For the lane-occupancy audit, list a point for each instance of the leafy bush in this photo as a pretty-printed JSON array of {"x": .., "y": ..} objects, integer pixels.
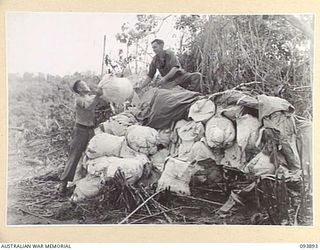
[
  {"x": 274, "y": 51},
  {"x": 41, "y": 114}
]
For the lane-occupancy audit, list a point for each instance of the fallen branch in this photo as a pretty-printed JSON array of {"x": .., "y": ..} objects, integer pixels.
[
  {"x": 158, "y": 205},
  {"x": 160, "y": 213},
  {"x": 245, "y": 84},
  {"x": 150, "y": 216},
  {"x": 234, "y": 88},
  {"x": 84, "y": 209},
  {"x": 210, "y": 190},
  {"x": 141, "y": 205},
  {"x": 38, "y": 202},
  {"x": 146, "y": 205}
]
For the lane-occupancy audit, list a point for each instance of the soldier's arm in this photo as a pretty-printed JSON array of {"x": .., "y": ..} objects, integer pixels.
[{"x": 88, "y": 102}]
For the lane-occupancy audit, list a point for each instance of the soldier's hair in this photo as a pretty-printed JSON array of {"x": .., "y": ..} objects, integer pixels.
[
  {"x": 158, "y": 41},
  {"x": 75, "y": 86}
]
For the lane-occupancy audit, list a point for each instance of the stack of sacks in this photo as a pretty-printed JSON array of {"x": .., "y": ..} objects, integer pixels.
[
  {"x": 247, "y": 132},
  {"x": 174, "y": 137},
  {"x": 200, "y": 152},
  {"x": 192, "y": 150},
  {"x": 220, "y": 132},
  {"x": 202, "y": 110},
  {"x": 208, "y": 160},
  {"x": 132, "y": 168},
  {"x": 231, "y": 112},
  {"x": 216, "y": 135},
  {"x": 143, "y": 139},
  {"x": 177, "y": 175},
  {"x": 95, "y": 166},
  {"x": 105, "y": 168},
  {"x": 164, "y": 137},
  {"x": 127, "y": 152},
  {"x": 233, "y": 157},
  {"x": 118, "y": 124},
  {"x": 164, "y": 142},
  {"x": 247, "y": 128},
  {"x": 88, "y": 187},
  {"x": 108, "y": 153},
  {"x": 247, "y": 135},
  {"x": 189, "y": 133},
  {"x": 188, "y": 137},
  {"x": 104, "y": 144},
  {"x": 260, "y": 165},
  {"x": 158, "y": 159}
]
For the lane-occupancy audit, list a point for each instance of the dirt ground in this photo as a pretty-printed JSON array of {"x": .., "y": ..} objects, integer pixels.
[{"x": 33, "y": 199}]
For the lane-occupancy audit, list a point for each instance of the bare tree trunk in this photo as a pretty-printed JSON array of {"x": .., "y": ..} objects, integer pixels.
[{"x": 103, "y": 55}]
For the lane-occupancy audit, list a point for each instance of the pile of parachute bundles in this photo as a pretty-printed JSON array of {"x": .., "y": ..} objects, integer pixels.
[{"x": 174, "y": 132}]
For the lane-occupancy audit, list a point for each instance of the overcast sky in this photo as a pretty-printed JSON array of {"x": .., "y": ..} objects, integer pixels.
[{"x": 63, "y": 43}]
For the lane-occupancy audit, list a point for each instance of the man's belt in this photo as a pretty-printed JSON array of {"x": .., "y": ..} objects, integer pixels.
[{"x": 84, "y": 126}]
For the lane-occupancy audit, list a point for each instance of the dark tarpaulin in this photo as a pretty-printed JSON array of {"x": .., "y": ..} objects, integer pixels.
[
  {"x": 165, "y": 106},
  {"x": 234, "y": 97}
]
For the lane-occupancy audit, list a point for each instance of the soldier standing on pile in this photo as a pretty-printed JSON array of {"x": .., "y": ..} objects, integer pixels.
[
  {"x": 170, "y": 70},
  {"x": 83, "y": 130}
]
